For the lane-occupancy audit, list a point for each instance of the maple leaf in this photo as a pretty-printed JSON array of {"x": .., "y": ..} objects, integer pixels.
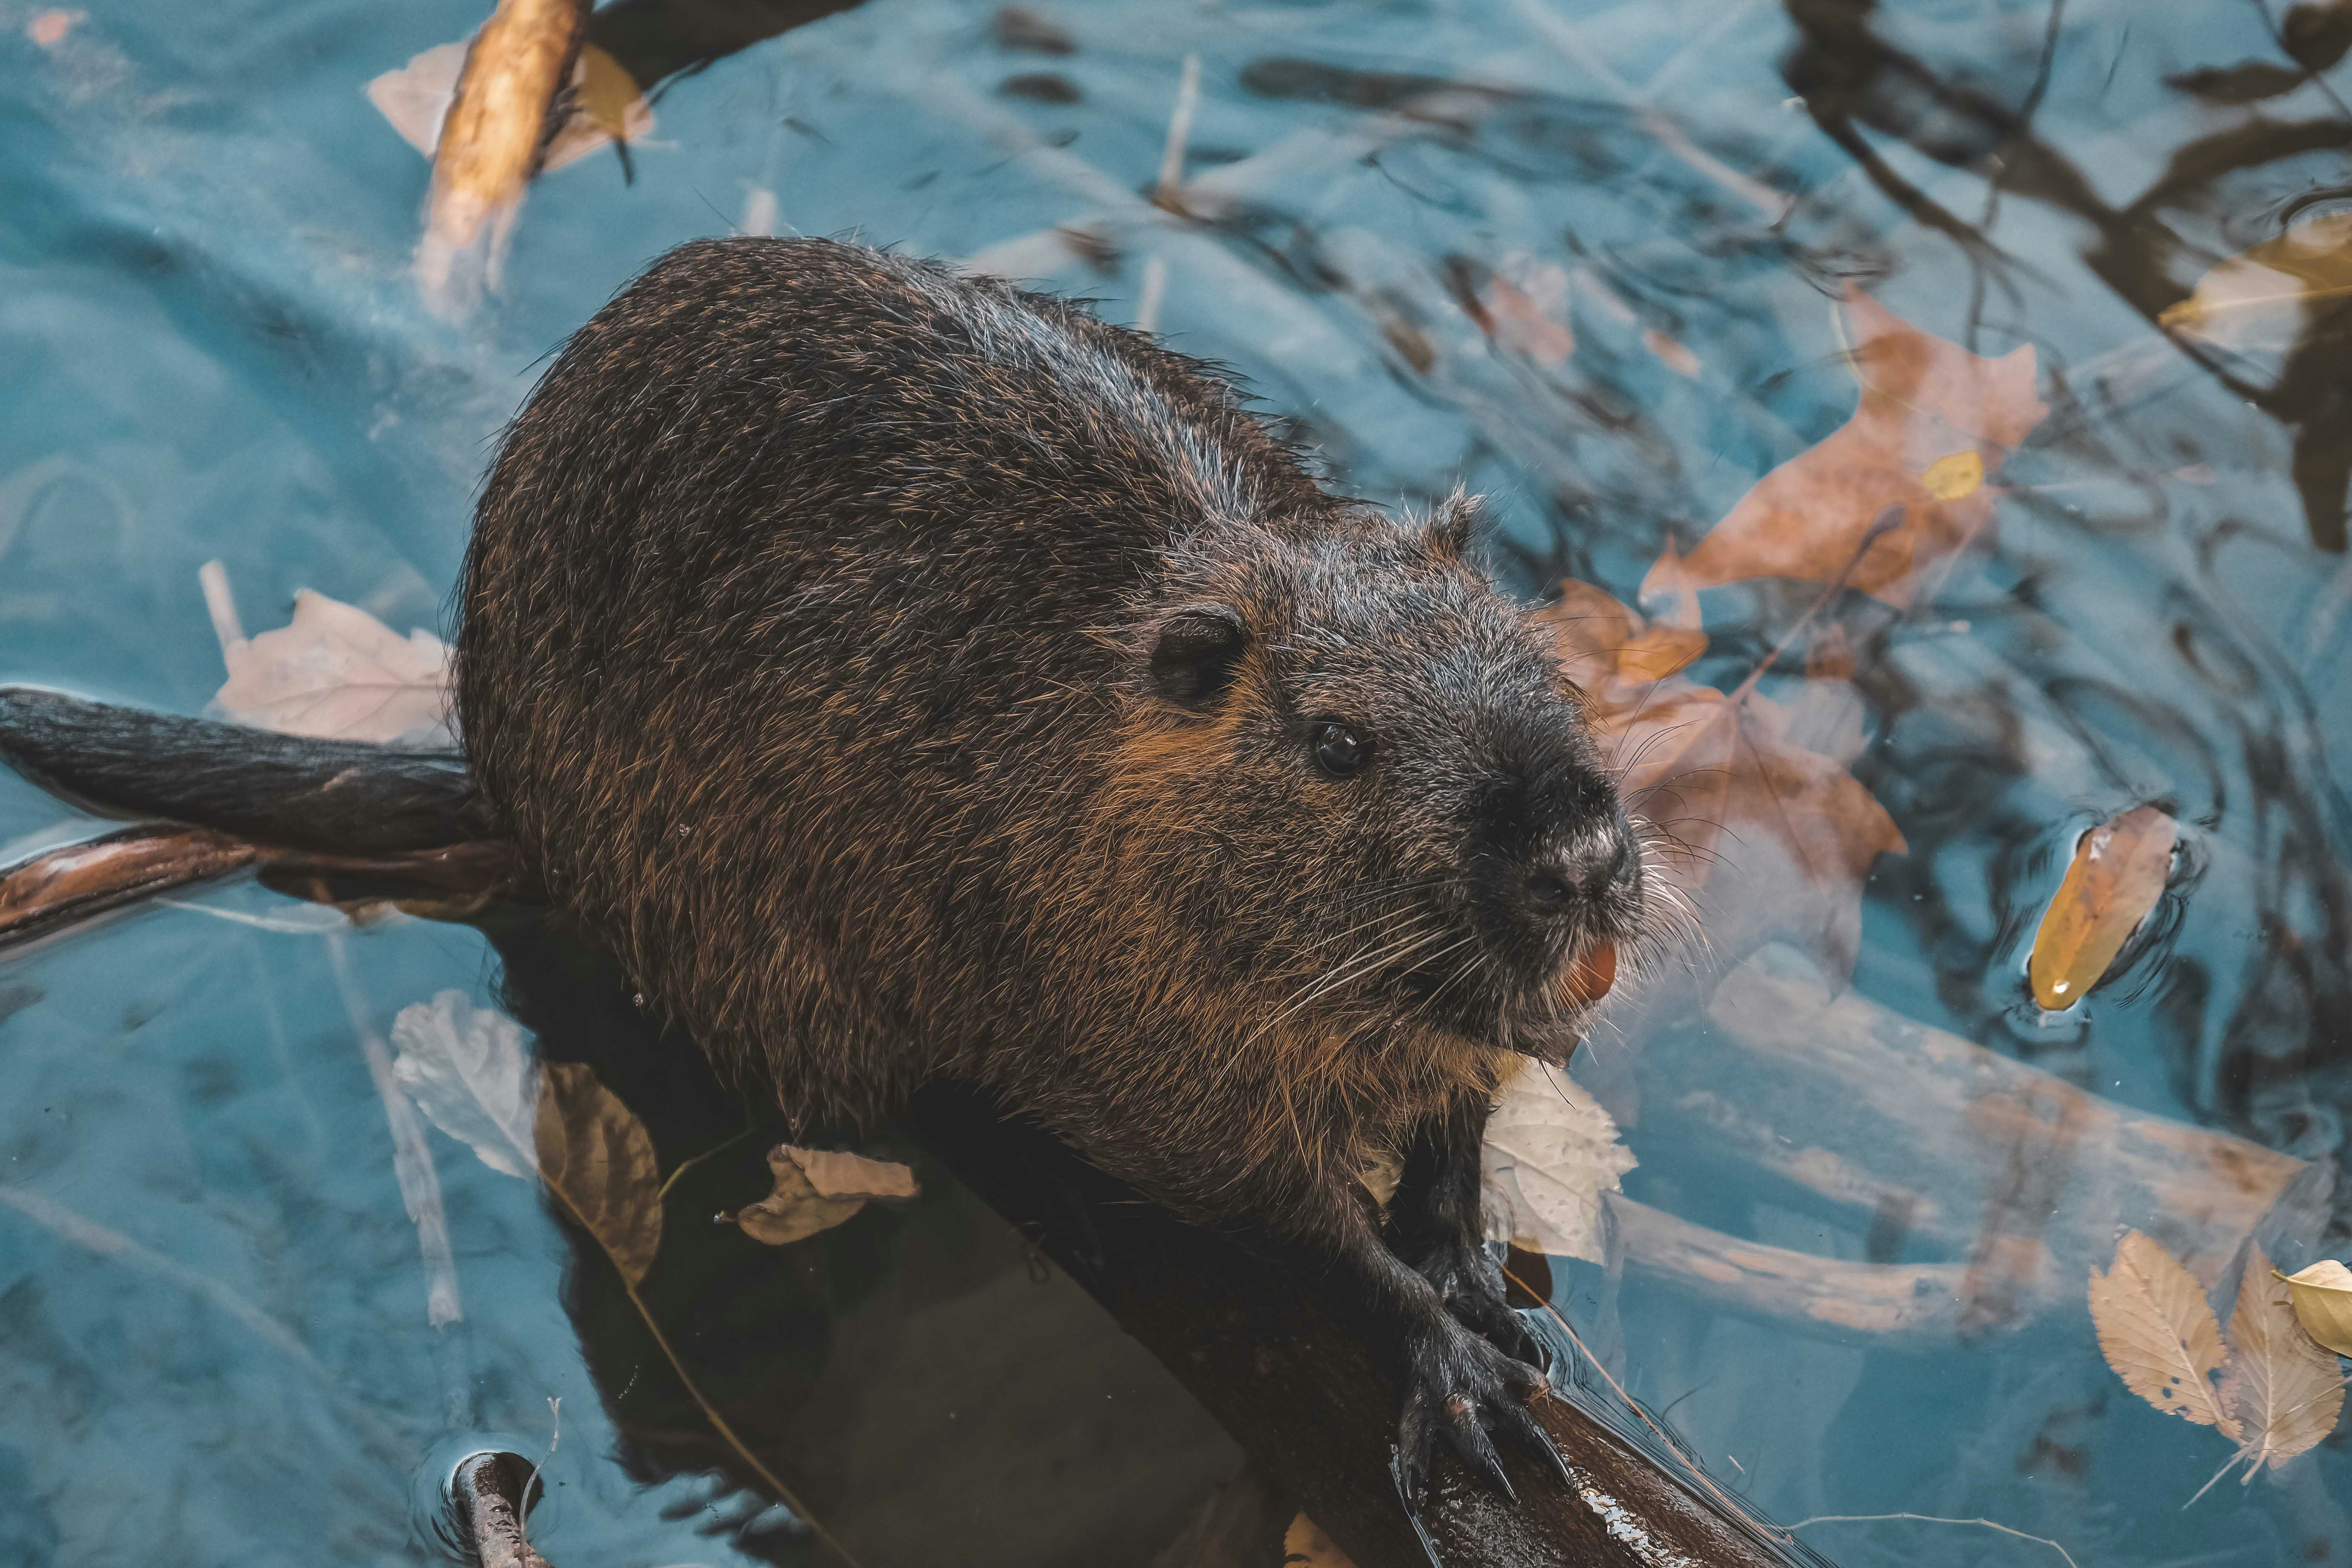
[
  {"x": 1933, "y": 420},
  {"x": 1763, "y": 834}
]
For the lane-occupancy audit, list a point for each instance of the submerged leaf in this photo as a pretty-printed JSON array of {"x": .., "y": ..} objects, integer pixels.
[
  {"x": 336, "y": 673},
  {"x": 817, "y": 1189},
  {"x": 1762, "y": 833},
  {"x": 2282, "y": 1389},
  {"x": 1551, "y": 1150},
  {"x": 598, "y": 1159},
  {"x": 1932, "y": 419},
  {"x": 2117, "y": 875},
  {"x": 2323, "y": 1303},
  {"x": 466, "y": 1068},
  {"x": 2157, "y": 1331}
]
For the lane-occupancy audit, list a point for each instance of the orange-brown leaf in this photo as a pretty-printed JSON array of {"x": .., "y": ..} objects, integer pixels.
[
  {"x": 2117, "y": 875},
  {"x": 1933, "y": 420}
]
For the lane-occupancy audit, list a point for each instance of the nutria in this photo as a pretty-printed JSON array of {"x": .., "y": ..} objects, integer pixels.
[{"x": 908, "y": 676}]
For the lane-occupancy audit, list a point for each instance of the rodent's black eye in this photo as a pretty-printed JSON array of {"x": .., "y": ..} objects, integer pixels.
[{"x": 1341, "y": 751}]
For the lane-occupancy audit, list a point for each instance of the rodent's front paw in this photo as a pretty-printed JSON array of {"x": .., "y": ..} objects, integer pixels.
[
  {"x": 1471, "y": 1285},
  {"x": 1458, "y": 1386}
]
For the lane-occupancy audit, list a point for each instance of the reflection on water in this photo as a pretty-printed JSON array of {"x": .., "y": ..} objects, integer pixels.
[{"x": 1580, "y": 255}]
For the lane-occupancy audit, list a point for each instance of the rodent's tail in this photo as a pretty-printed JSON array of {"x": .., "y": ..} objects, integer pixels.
[{"x": 333, "y": 796}]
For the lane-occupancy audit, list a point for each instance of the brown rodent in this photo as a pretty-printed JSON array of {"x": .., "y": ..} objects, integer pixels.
[{"x": 908, "y": 677}]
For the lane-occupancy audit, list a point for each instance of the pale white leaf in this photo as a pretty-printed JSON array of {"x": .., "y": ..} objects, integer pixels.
[
  {"x": 1551, "y": 1150},
  {"x": 467, "y": 1069},
  {"x": 2282, "y": 1388},
  {"x": 2157, "y": 1331},
  {"x": 598, "y": 1159},
  {"x": 338, "y": 673}
]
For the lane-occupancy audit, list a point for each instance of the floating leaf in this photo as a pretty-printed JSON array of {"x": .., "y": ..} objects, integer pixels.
[
  {"x": 1531, "y": 323},
  {"x": 2323, "y": 1303},
  {"x": 2157, "y": 1331},
  {"x": 597, "y": 1159},
  {"x": 1551, "y": 1150},
  {"x": 467, "y": 1069},
  {"x": 2261, "y": 298},
  {"x": 1304, "y": 1545},
  {"x": 817, "y": 1189},
  {"x": 2119, "y": 874},
  {"x": 336, "y": 673},
  {"x": 1925, "y": 407},
  {"x": 2282, "y": 1389},
  {"x": 1765, "y": 835}
]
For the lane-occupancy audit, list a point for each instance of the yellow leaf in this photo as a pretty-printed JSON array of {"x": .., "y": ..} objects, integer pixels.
[
  {"x": 598, "y": 1159},
  {"x": 1304, "y": 1545},
  {"x": 2118, "y": 873},
  {"x": 2322, "y": 1302},
  {"x": 2157, "y": 1331},
  {"x": 605, "y": 90},
  {"x": 2282, "y": 1389},
  {"x": 1951, "y": 478}
]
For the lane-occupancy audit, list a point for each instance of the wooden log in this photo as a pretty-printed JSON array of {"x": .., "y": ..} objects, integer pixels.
[
  {"x": 1271, "y": 1360},
  {"x": 2023, "y": 1178}
]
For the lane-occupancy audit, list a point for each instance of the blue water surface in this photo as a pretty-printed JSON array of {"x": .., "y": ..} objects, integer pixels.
[{"x": 213, "y": 1339}]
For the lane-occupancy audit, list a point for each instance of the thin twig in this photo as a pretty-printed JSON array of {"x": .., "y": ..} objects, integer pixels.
[{"x": 1934, "y": 1518}]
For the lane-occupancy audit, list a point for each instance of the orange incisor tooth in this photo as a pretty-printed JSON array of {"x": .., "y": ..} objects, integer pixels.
[{"x": 1592, "y": 975}]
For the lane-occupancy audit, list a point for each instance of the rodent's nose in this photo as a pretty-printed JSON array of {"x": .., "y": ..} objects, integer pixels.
[{"x": 1559, "y": 881}]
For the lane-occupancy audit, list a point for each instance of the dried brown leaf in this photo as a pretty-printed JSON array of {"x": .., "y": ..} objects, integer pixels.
[
  {"x": 596, "y": 1157},
  {"x": 2117, "y": 877},
  {"x": 2282, "y": 1388},
  {"x": 2259, "y": 298},
  {"x": 816, "y": 1189},
  {"x": 2157, "y": 1331},
  {"x": 1932, "y": 419}
]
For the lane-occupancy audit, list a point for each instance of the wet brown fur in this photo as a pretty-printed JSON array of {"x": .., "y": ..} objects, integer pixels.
[{"x": 806, "y": 650}]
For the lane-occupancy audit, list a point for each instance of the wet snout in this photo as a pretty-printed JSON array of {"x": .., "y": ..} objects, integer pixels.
[{"x": 1563, "y": 876}]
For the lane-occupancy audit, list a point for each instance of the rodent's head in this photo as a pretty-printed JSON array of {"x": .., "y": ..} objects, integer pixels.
[{"x": 1380, "y": 797}]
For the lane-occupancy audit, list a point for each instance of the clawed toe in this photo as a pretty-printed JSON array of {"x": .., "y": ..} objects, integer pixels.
[{"x": 1471, "y": 1394}]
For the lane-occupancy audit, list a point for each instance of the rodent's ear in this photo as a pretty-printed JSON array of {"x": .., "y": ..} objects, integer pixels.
[
  {"x": 1195, "y": 652},
  {"x": 1455, "y": 523}
]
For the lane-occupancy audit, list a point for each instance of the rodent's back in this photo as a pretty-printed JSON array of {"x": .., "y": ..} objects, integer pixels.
[{"x": 791, "y": 633}]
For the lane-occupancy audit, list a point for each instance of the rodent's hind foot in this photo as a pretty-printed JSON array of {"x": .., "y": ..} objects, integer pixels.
[
  {"x": 1461, "y": 1387},
  {"x": 1470, "y": 1284}
]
